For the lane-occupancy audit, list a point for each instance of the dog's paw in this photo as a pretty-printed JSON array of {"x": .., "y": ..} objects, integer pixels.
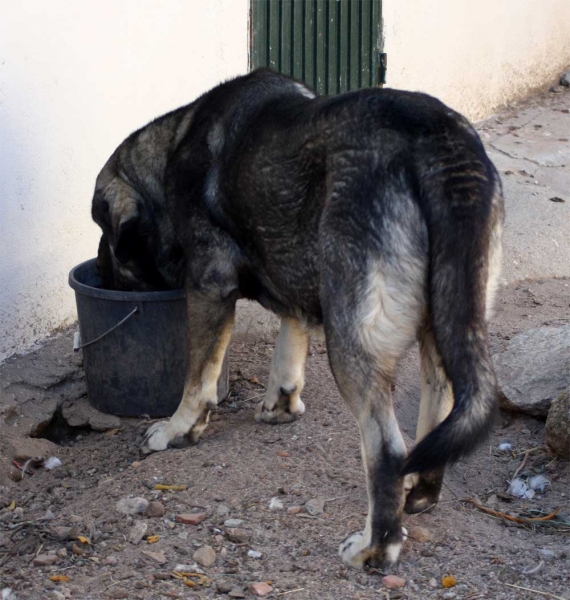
[
  {"x": 356, "y": 551},
  {"x": 158, "y": 437},
  {"x": 423, "y": 493},
  {"x": 288, "y": 407}
]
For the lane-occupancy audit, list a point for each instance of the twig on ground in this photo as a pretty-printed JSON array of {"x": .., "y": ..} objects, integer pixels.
[
  {"x": 502, "y": 515},
  {"x": 521, "y": 466},
  {"x": 519, "y": 587}
]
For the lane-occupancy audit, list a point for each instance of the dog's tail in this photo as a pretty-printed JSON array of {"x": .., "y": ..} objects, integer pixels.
[{"x": 461, "y": 201}]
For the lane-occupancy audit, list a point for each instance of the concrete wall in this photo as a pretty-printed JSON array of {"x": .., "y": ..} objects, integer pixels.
[
  {"x": 76, "y": 77},
  {"x": 476, "y": 56}
]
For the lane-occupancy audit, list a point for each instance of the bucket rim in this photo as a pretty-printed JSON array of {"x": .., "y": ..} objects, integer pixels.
[{"x": 87, "y": 290}]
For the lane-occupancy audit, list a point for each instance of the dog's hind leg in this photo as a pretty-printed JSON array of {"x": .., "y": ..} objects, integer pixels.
[{"x": 282, "y": 402}]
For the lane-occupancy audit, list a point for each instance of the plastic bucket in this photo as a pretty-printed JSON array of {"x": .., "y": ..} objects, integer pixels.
[{"x": 135, "y": 347}]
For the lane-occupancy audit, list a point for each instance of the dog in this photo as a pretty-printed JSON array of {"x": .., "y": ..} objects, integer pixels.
[{"x": 375, "y": 215}]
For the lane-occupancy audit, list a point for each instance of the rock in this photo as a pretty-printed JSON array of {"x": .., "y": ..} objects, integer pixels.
[
  {"x": 236, "y": 593},
  {"x": 224, "y": 587},
  {"x": 546, "y": 554},
  {"x": 79, "y": 413},
  {"x": 558, "y": 425},
  {"x": 534, "y": 369},
  {"x": 158, "y": 557},
  {"x": 110, "y": 561},
  {"x": 77, "y": 550},
  {"x": 193, "y": 568},
  {"x": 254, "y": 554},
  {"x": 62, "y": 553},
  {"x": 205, "y": 556},
  {"x": 132, "y": 506},
  {"x": 260, "y": 589},
  {"x": 315, "y": 506},
  {"x": 155, "y": 509},
  {"x": 393, "y": 582},
  {"x": 222, "y": 510},
  {"x": 191, "y": 518},
  {"x": 45, "y": 560},
  {"x": 237, "y": 536},
  {"x": 137, "y": 532},
  {"x": 565, "y": 79},
  {"x": 21, "y": 449},
  {"x": 233, "y": 522},
  {"x": 294, "y": 510},
  {"x": 420, "y": 534}
]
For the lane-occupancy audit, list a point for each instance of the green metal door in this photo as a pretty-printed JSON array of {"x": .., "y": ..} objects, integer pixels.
[{"x": 331, "y": 45}]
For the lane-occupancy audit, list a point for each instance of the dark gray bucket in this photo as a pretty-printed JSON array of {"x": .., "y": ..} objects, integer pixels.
[{"x": 134, "y": 345}]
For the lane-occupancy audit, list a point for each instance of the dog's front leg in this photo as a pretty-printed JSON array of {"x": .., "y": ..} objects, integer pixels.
[
  {"x": 282, "y": 401},
  {"x": 210, "y": 322}
]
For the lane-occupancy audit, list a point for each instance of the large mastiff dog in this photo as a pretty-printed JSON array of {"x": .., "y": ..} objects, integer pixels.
[{"x": 375, "y": 214}]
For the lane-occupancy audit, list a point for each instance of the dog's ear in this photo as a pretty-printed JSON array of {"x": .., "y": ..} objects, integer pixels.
[{"x": 128, "y": 239}]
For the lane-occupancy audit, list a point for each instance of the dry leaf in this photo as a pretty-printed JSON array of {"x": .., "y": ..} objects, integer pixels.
[
  {"x": 174, "y": 488},
  {"x": 84, "y": 540},
  {"x": 59, "y": 578},
  {"x": 112, "y": 431},
  {"x": 448, "y": 581},
  {"x": 188, "y": 582},
  {"x": 152, "y": 539},
  {"x": 12, "y": 505}
]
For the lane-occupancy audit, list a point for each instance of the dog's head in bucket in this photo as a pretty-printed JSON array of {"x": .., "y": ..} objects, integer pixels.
[{"x": 137, "y": 251}]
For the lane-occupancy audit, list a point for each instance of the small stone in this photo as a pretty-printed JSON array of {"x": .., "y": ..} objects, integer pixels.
[
  {"x": 76, "y": 519},
  {"x": 48, "y": 515},
  {"x": 132, "y": 506},
  {"x": 420, "y": 534},
  {"x": 294, "y": 510},
  {"x": 393, "y": 582},
  {"x": 136, "y": 464},
  {"x": 276, "y": 504},
  {"x": 222, "y": 510},
  {"x": 237, "y": 593},
  {"x": 315, "y": 507},
  {"x": 77, "y": 550},
  {"x": 546, "y": 554},
  {"x": 224, "y": 587},
  {"x": 110, "y": 561},
  {"x": 283, "y": 454},
  {"x": 193, "y": 568},
  {"x": 565, "y": 79},
  {"x": 45, "y": 560},
  {"x": 62, "y": 553},
  {"x": 260, "y": 589},
  {"x": 433, "y": 582},
  {"x": 137, "y": 532},
  {"x": 237, "y": 536},
  {"x": 190, "y": 518},
  {"x": 205, "y": 556},
  {"x": 155, "y": 509},
  {"x": 254, "y": 554},
  {"x": 233, "y": 522},
  {"x": 159, "y": 556}
]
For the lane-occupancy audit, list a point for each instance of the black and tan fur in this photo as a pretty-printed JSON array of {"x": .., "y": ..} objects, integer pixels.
[{"x": 375, "y": 214}]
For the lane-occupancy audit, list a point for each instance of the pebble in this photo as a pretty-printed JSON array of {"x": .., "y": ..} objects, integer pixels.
[
  {"x": 393, "y": 582},
  {"x": 193, "y": 568},
  {"x": 136, "y": 464},
  {"x": 137, "y": 532},
  {"x": 546, "y": 554},
  {"x": 233, "y": 522},
  {"x": 205, "y": 556},
  {"x": 110, "y": 561},
  {"x": 224, "y": 587},
  {"x": 254, "y": 554},
  {"x": 62, "y": 553},
  {"x": 260, "y": 589},
  {"x": 155, "y": 509},
  {"x": 159, "y": 556},
  {"x": 132, "y": 506},
  {"x": 45, "y": 560},
  {"x": 420, "y": 534},
  {"x": 294, "y": 510},
  {"x": 315, "y": 507},
  {"x": 191, "y": 518},
  {"x": 237, "y": 536},
  {"x": 223, "y": 510},
  {"x": 77, "y": 550},
  {"x": 237, "y": 593},
  {"x": 433, "y": 582}
]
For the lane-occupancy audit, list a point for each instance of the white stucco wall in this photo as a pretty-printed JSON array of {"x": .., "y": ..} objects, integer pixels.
[
  {"x": 476, "y": 56},
  {"x": 76, "y": 77}
]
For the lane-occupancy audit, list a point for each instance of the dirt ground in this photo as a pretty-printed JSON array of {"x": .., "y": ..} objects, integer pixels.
[{"x": 240, "y": 466}]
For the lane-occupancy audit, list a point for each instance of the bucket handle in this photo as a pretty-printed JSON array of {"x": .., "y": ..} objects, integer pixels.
[{"x": 77, "y": 337}]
